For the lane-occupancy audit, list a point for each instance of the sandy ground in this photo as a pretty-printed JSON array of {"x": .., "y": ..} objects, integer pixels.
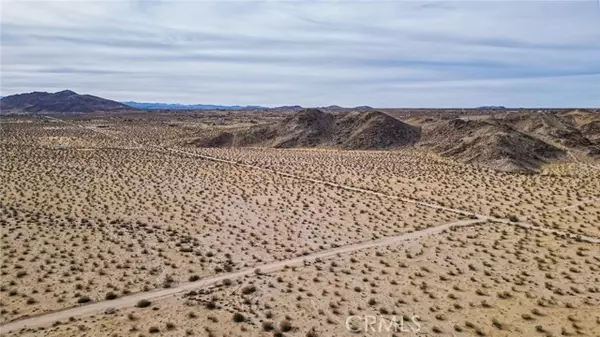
[
  {"x": 79, "y": 225},
  {"x": 91, "y": 212},
  {"x": 521, "y": 284},
  {"x": 130, "y": 301}
]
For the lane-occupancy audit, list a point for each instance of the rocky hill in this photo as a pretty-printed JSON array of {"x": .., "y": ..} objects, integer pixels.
[
  {"x": 550, "y": 127},
  {"x": 488, "y": 143},
  {"x": 522, "y": 142},
  {"x": 65, "y": 101},
  {"x": 591, "y": 130},
  {"x": 315, "y": 128}
]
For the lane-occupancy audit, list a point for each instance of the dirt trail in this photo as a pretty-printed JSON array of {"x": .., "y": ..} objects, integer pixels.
[
  {"x": 130, "y": 301},
  {"x": 585, "y": 202}
]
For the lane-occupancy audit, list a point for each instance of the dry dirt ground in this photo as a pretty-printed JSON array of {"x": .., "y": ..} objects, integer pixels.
[
  {"x": 490, "y": 280},
  {"x": 97, "y": 208}
]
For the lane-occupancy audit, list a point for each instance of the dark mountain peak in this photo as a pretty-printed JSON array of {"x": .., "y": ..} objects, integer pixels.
[
  {"x": 312, "y": 121},
  {"x": 309, "y": 113},
  {"x": 66, "y": 101},
  {"x": 66, "y": 93},
  {"x": 374, "y": 114}
]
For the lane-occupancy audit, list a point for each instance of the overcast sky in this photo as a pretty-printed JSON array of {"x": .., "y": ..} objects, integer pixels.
[{"x": 311, "y": 53}]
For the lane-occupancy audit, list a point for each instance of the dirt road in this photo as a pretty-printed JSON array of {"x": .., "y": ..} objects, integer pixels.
[
  {"x": 585, "y": 202},
  {"x": 130, "y": 301}
]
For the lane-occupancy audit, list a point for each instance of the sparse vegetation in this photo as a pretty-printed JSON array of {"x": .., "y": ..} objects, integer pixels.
[
  {"x": 98, "y": 232},
  {"x": 238, "y": 317},
  {"x": 143, "y": 304}
]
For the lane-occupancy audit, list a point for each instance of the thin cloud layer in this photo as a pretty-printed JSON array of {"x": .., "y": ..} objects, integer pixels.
[{"x": 383, "y": 54}]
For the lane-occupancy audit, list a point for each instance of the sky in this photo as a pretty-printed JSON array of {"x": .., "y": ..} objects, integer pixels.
[{"x": 310, "y": 53}]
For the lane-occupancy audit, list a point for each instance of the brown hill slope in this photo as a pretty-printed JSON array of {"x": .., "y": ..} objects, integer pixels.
[
  {"x": 550, "y": 127},
  {"x": 591, "y": 130},
  {"x": 315, "y": 128},
  {"x": 489, "y": 144},
  {"x": 65, "y": 101},
  {"x": 580, "y": 116}
]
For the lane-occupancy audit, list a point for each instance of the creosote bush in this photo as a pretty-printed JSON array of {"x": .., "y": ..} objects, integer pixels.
[{"x": 143, "y": 303}]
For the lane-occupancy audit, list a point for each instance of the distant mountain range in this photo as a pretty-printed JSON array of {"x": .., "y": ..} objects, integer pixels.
[
  {"x": 68, "y": 101},
  {"x": 492, "y": 107},
  {"x": 176, "y": 106},
  {"x": 65, "y": 101}
]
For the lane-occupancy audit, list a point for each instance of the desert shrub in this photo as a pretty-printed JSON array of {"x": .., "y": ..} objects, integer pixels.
[
  {"x": 285, "y": 326},
  {"x": 249, "y": 289},
  {"x": 499, "y": 325},
  {"x": 268, "y": 326},
  {"x": 312, "y": 333},
  {"x": 238, "y": 317},
  {"x": 110, "y": 296},
  {"x": 84, "y": 299},
  {"x": 143, "y": 304}
]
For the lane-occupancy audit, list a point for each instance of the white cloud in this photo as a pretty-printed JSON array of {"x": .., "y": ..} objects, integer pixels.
[{"x": 307, "y": 52}]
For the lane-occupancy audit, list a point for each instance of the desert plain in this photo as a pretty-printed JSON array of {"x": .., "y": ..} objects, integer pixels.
[{"x": 131, "y": 225}]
